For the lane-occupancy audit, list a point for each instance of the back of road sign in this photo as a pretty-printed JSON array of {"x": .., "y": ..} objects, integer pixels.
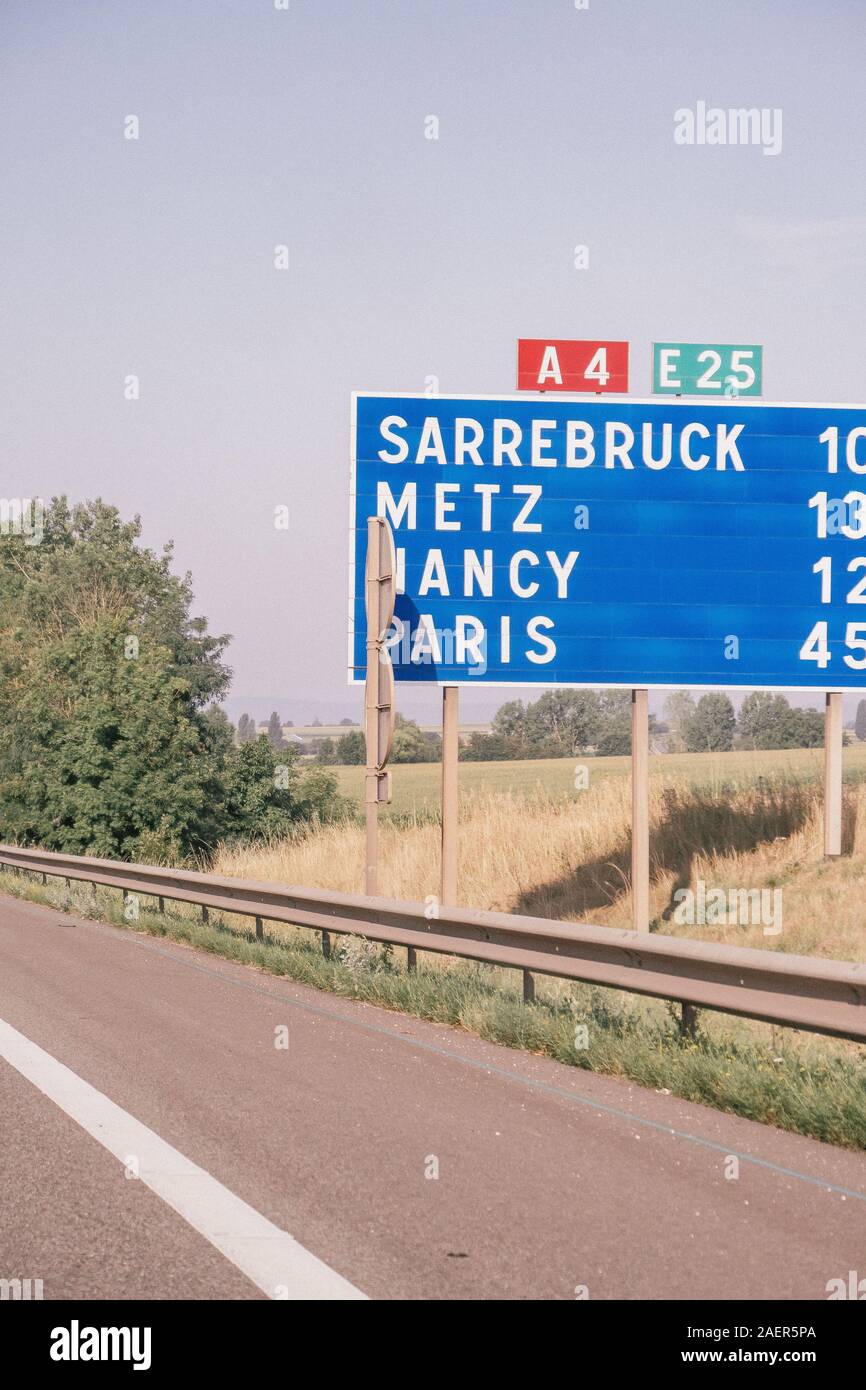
[
  {"x": 624, "y": 543},
  {"x": 379, "y": 708}
]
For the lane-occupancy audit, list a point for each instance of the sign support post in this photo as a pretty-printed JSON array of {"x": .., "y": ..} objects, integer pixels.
[
  {"x": 379, "y": 713},
  {"x": 371, "y": 840},
  {"x": 833, "y": 774},
  {"x": 640, "y": 809},
  {"x": 450, "y": 752}
]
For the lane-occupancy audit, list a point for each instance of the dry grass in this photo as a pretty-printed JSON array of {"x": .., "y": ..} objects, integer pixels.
[{"x": 568, "y": 857}]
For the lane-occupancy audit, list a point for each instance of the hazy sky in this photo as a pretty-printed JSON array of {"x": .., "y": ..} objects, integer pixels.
[{"x": 408, "y": 257}]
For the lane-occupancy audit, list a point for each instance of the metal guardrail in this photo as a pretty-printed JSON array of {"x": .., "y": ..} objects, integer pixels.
[{"x": 820, "y": 996}]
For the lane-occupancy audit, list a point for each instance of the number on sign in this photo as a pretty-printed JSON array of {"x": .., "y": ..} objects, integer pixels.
[
  {"x": 857, "y": 594},
  {"x": 824, "y": 568},
  {"x": 833, "y": 514},
  {"x": 830, "y": 437},
  {"x": 854, "y": 638},
  {"x": 597, "y": 369},
  {"x": 815, "y": 647},
  {"x": 706, "y": 382},
  {"x": 739, "y": 364}
]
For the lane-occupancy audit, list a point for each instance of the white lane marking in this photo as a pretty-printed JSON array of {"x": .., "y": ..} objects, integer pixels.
[{"x": 274, "y": 1261}]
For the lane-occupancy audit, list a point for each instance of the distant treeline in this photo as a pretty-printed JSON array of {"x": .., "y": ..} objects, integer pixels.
[
  {"x": 568, "y": 723},
  {"x": 411, "y": 745},
  {"x": 565, "y": 723}
]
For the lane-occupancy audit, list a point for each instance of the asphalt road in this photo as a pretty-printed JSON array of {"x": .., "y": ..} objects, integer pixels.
[{"x": 155, "y": 1142}]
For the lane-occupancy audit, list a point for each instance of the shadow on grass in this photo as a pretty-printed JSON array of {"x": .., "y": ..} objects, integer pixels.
[{"x": 693, "y": 822}]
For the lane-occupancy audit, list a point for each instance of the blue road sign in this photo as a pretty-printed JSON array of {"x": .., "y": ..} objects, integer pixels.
[{"x": 622, "y": 543}]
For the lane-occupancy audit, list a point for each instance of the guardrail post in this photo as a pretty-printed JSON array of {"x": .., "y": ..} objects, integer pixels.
[
  {"x": 326, "y": 945},
  {"x": 528, "y": 987},
  {"x": 833, "y": 774},
  {"x": 688, "y": 1021},
  {"x": 260, "y": 933},
  {"x": 161, "y": 902},
  {"x": 640, "y": 809},
  {"x": 205, "y": 915}
]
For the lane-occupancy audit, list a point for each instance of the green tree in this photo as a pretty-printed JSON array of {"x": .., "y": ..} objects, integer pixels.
[
  {"x": 266, "y": 794},
  {"x": 114, "y": 744},
  {"x": 678, "y": 709},
  {"x": 768, "y": 721},
  {"x": 614, "y": 723},
  {"x": 104, "y": 682},
  {"x": 762, "y": 720},
  {"x": 492, "y": 747},
  {"x": 275, "y": 732},
  {"x": 119, "y": 758},
  {"x": 614, "y": 743},
  {"x": 411, "y": 745},
  {"x": 711, "y": 728},
  {"x": 560, "y": 723},
  {"x": 352, "y": 749},
  {"x": 564, "y": 722},
  {"x": 802, "y": 728},
  {"x": 326, "y": 753},
  {"x": 510, "y": 720},
  {"x": 246, "y": 729}
]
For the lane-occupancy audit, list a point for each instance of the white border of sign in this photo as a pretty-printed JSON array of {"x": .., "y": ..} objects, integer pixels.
[{"x": 564, "y": 398}]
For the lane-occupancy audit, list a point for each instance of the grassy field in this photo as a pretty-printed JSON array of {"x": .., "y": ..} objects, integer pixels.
[{"x": 416, "y": 786}]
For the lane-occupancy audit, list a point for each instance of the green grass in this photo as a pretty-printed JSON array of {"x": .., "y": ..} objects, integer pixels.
[
  {"x": 417, "y": 786},
  {"x": 811, "y": 1086}
]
